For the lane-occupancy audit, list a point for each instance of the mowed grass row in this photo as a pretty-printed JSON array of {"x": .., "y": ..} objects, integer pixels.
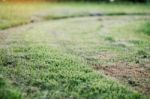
[{"x": 14, "y": 14}]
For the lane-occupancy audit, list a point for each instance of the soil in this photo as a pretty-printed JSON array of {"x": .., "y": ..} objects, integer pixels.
[{"x": 135, "y": 75}]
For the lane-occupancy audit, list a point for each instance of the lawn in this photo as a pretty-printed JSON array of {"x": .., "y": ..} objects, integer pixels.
[
  {"x": 14, "y": 14},
  {"x": 70, "y": 51}
]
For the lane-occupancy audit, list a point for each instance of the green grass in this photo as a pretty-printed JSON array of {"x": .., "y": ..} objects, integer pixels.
[
  {"x": 135, "y": 39},
  {"x": 54, "y": 59},
  {"x": 145, "y": 28},
  {"x": 17, "y": 14},
  {"x": 44, "y": 72},
  {"x": 7, "y": 92},
  {"x": 54, "y": 65}
]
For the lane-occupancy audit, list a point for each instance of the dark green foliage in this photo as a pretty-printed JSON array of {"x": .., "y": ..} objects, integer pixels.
[
  {"x": 109, "y": 38},
  {"x": 143, "y": 54},
  {"x": 146, "y": 28},
  {"x": 7, "y": 92}
]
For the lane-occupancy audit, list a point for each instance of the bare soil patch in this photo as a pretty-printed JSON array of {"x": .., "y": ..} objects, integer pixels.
[{"x": 137, "y": 76}]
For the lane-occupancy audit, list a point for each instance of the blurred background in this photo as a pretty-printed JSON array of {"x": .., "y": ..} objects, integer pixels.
[{"x": 141, "y": 1}]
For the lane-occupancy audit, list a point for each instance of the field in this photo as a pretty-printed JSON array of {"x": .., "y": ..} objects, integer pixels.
[{"x": 74, "y": 51}]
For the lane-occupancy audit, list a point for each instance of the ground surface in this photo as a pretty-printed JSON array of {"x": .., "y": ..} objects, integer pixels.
[{"x": 53, "y": 58}]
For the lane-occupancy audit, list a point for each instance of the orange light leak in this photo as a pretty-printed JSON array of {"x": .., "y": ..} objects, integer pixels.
[{"x": 26, "y": 0}]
